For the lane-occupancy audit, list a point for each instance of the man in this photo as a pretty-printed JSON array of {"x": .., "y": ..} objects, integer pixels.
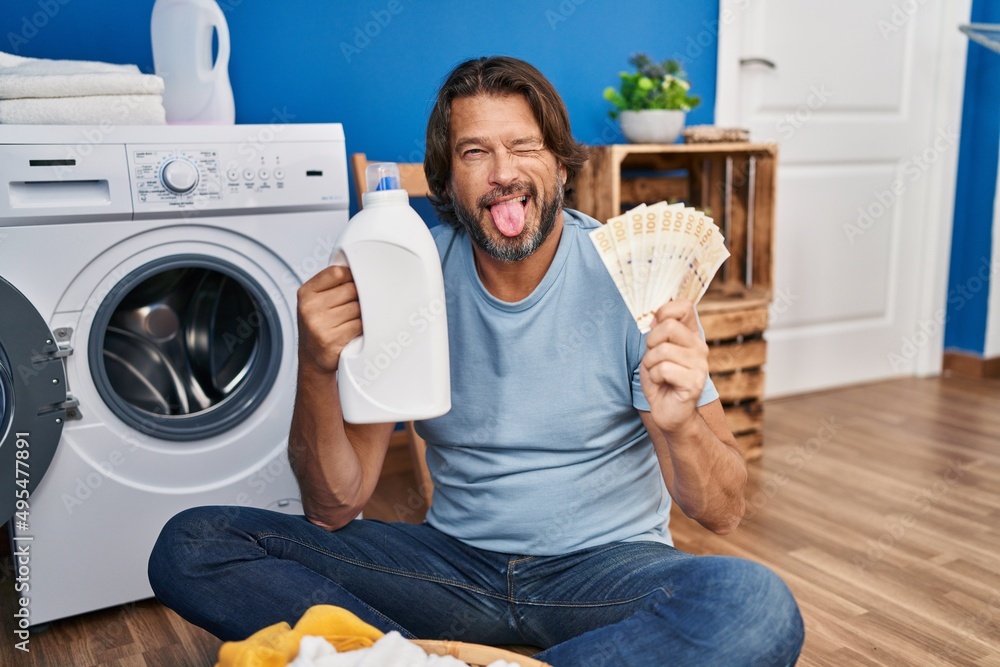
[{"x": 554, "y": 470}]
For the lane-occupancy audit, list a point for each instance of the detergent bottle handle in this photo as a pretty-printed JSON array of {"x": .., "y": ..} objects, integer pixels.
[
  {"x": 215, "y": 19},
  {"x": 355, "y": 347},
  {"x": 220, "y": 24}
]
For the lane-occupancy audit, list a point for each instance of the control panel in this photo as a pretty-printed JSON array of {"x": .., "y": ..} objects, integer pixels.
[
  {"x": 169, "y": 176},
  {"x": 230, "y": 178}
]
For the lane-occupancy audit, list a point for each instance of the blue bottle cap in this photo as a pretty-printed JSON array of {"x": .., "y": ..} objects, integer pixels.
[{"x": 382, "y": 176}]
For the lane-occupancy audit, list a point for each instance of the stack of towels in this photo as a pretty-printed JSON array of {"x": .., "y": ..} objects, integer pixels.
[{"x": 35, "y": 91}]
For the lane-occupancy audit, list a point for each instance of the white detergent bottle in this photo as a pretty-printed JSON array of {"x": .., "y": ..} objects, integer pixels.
[
  {"x": 195, "y": 91},
  {"x": 398, "y": 369}
]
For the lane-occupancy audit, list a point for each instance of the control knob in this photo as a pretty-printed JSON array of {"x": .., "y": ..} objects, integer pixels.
[{"x": 179, "y": 176}]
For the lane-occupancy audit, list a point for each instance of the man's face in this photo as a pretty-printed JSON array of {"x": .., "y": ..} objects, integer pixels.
[{"x": 506, "y": 186}]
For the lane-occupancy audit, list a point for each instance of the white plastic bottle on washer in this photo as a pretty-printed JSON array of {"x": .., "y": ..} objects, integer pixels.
[
  {"x": 195, "y": 91},
  {"x": 398, "y": 369}
]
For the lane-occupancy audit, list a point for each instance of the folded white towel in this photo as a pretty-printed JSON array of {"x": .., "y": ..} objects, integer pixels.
[
  {"x": 94, "y": 110},
  {"x": 38, "y": 77}
]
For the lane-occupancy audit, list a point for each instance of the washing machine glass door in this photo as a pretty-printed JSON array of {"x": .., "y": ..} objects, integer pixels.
[
  {"x": 185, "y": 347},
  {"x": 32, "y": 401}
]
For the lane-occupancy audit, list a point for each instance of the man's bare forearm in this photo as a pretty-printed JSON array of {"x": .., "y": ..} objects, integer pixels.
[
  {"x": 705, "y": 475},
  {"x": 709, "y": 476},
  {"x": 336, "y": 464}
]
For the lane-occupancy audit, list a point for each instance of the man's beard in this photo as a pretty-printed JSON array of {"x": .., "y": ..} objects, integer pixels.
[{"x": 510, "y": 249}]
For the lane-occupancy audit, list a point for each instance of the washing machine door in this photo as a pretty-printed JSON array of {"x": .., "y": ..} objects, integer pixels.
[{"x": 33, "y": 401}]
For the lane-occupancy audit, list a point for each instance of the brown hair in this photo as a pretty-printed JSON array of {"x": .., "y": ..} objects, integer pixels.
[{"x": 496, "y": 75}]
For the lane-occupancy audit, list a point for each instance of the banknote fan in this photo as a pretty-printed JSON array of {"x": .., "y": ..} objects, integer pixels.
[{"x": 658, "y": 253}]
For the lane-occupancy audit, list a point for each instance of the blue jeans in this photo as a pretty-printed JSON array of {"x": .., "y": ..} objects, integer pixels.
[{"x": 235, "y": 570}]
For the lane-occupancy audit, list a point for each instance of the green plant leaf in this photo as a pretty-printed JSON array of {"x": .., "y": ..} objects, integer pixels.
[{"x": 651, "y": 86}]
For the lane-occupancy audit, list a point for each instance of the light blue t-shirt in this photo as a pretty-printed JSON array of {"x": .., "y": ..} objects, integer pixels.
[{"x": 543, "y": 451}]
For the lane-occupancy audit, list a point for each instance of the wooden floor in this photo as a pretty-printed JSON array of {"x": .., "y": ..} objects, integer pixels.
[{"x": 879, "y": 505}]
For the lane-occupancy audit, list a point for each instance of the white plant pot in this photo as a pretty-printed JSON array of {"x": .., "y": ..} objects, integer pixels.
[{"x": 651, "y": 126}]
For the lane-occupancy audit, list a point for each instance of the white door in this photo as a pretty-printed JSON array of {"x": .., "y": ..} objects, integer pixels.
[{"x": 864, "y": 99}]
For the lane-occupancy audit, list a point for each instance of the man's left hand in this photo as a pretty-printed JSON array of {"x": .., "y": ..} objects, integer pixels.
[{"x": 675, "y": 366}]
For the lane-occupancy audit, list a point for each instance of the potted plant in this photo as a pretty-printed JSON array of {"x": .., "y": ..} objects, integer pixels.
[{"x": 652, "y": 101}]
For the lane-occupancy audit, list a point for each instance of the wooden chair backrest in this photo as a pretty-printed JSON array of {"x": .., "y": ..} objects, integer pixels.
[{"x": 411, "y": 176}]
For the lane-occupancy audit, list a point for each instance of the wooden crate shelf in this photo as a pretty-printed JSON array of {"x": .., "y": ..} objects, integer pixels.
[
  {"x": 734, "y": 183},
  {"x": 733, "y": 356},
  {"x": 731, "y": 317}
]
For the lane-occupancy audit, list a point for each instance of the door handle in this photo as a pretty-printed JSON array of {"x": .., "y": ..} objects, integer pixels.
[{"x": 766, "y": 62}]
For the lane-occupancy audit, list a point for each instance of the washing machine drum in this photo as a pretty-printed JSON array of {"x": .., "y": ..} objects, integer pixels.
[{"x": 32, "y": 399}]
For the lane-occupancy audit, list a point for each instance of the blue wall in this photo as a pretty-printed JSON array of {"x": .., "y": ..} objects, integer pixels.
[
  {"x": 971, "y": 246},
  {"x": 374, "y": 65},
  {"x": 313, "y": 61}
]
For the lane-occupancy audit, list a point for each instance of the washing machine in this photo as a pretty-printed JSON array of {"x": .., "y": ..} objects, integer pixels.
[{"x": 148, "y": 281}]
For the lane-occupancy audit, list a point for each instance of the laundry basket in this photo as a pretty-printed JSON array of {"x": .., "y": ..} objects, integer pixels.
[{"x": 476, "y": 655}]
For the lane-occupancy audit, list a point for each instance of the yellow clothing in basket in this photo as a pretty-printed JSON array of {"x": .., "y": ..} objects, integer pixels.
[{"x": 278, "y": 644}]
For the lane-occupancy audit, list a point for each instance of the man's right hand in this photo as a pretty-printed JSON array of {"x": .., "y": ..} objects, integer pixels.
[
  {"x": 337, "y": 464},
  {"x": 329, "y": 318}
]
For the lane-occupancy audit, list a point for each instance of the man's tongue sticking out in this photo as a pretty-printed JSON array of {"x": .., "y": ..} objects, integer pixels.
[{"x": 508, "y": 216}]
